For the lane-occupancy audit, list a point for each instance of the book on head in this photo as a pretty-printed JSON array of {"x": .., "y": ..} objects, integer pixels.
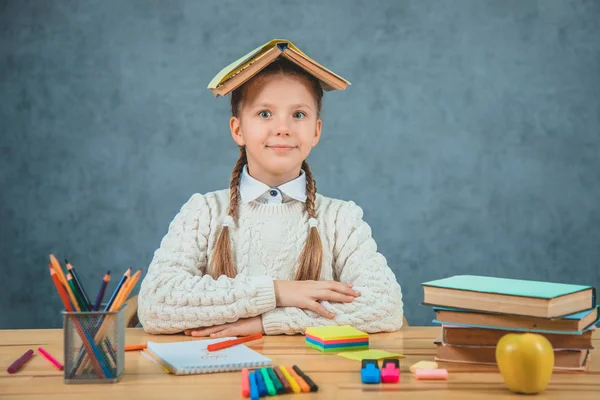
[{"x": 244, "y": 68}]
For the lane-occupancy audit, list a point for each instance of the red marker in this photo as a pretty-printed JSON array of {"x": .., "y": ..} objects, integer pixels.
[
  {"x": 50, "y": 358},
  {"x": 228, "y": 343},
  {"x": 14, "y": 367},
  {"x": 245, "y": 383}
]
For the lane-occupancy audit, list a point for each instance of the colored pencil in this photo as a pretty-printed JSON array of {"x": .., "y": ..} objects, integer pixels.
[
  {"x": 58, "y": 269},
  {"x": 19, "y": 362},
  {"x": 63, "y": 281},
  {"x": 117, "y": 289},
  {"x": 48, "y": 357},
  {"x": 127, "y": 288},
  {"x": 79, "y": 285},
  {"x": 101, "y": 292},
  {"x": 228, "y": 343},
  {"x": 80, "y": 329},
  {"x": 78, "y": 296}
]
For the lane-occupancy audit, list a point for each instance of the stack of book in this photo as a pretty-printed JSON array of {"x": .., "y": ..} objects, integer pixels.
[{"x": 476, "y": 311}]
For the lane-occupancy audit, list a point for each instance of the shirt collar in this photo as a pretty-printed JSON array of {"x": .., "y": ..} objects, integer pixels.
[{"x": 251, "y": 189}]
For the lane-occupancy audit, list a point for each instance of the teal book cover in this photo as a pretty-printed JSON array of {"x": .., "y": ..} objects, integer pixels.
[{"x": 511, "y": 287}]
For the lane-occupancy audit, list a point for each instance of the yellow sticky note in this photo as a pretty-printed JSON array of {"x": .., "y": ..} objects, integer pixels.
[
  {"x": 369, "y": 354},
  {"x": 336, "y": 332}
]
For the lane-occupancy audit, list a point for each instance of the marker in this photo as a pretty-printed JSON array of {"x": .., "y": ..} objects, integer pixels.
[
  {"x": 19, "y": 362},
  {"x": 254, "y": 395},
  {"x": 50, "y": 358},
  {"x": 245, "y": 383},
  {"x": 232, "y": 342},
  {"x": 313, "y": 386},
  {"x": 369, "y": 372},
  {"x": 390, "y": 373}
]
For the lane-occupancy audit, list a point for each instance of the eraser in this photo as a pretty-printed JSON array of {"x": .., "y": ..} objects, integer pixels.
[
  {"x": 369, "y": 372},
  {"x": 390, "y": 371},
  {"x": 423, "y": 365},
  {"x": 431, "y": 374}
]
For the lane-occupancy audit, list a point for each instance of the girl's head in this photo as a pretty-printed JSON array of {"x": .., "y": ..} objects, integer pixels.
[
  {"x": 276, "y": 118},
  {"x": 276, "y": 121}
]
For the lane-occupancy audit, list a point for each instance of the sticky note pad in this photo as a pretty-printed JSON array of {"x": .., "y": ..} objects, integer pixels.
[
  {"x": 369, "y": 354},
  {"x": 336, "y": 338},
  {"x": 336, "y": 332}
]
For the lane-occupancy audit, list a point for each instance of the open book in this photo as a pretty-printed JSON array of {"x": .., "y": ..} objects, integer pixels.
[
  {"x": 192, "y": 357},
  {"x": 239, "y": 71}
]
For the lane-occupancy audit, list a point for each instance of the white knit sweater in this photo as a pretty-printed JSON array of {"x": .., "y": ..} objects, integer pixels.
[{"x": 177, "y": 293}]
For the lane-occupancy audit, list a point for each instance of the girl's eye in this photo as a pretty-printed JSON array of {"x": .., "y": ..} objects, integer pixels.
[
  {"x": 299, "y": 115},
  {"x": 264, "y": 114}
]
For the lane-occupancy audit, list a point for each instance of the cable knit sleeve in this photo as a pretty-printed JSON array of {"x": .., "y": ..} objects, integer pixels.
[
  {"x": 176, "y": 294},
  {"x": 379, "y": 307}
]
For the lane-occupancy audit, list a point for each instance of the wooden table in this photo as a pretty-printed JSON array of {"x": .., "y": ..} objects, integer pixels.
[{"x": 337, "y": 377}]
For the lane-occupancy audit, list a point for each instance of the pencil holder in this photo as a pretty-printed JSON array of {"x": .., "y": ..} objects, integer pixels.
[{"x": 94, "y": 344}]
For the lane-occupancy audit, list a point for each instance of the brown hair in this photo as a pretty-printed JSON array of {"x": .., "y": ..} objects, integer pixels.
[{"x": 311, "y": 257}]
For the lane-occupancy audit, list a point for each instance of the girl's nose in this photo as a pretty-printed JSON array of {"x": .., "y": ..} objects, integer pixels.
[{"x": 283, "y": 127}]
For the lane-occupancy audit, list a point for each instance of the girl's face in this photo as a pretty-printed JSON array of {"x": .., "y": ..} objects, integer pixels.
[{"x": 279, "y": 125}]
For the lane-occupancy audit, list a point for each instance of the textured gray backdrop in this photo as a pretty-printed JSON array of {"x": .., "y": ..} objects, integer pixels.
[{"x": 470, "y": 135}]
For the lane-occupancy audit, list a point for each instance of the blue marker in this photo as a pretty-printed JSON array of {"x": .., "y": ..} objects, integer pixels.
[
  {"x": 369, "y": 372},
  {"x": 262, "y": 388},
  {"x": 253, "y": 387}
]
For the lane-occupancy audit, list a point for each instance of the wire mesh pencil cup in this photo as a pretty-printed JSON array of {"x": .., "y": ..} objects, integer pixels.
[{"x": 94, "y": 346}]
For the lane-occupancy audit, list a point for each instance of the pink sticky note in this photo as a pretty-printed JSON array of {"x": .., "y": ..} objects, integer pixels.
[{"x": 431, "y": 374}]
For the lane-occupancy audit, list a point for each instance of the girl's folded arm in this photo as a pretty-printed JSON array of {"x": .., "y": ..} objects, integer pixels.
[
  {"x": 178, "y": 294},
  {"x": 379, "y": 306}
]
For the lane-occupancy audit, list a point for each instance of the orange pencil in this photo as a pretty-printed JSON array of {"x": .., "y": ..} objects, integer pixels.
[
  {"x": 58, "y": 269},
  {"x": 228, "y": 343},
  {"x": 126, "y": 290},
  {"x": 133, "y": 347},
  {"x": 63, "y": 280}
]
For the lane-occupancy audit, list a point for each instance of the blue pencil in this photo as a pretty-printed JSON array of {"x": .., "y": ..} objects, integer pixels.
[{"x": 101, "y": 291}]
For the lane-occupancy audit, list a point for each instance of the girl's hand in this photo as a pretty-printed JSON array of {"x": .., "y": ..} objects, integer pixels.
[
  {"x": 307, "y": 294},
  {"x": 241, "y": 327}
]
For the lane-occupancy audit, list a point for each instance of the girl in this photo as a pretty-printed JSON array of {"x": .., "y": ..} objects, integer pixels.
[{"x": 269, "y": 254}]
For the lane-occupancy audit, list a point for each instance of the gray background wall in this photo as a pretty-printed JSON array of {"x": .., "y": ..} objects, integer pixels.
[{"x": 470, "y": 135}]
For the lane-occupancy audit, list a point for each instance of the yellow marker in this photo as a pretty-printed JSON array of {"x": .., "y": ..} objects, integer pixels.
[{"x": 290, "y": 378}]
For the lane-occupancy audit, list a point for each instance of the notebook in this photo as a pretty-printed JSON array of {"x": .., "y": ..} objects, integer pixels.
[
  {"x": 509, "y": 296},
  {"x": 192, "y": 357}
]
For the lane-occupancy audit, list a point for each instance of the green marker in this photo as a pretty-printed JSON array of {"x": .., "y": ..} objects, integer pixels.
[
  {"x": 268, "y": 382},
  {"x": 278, "y": 386}
]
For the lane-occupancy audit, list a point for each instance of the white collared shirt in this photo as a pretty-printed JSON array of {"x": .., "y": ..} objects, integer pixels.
[{"x": 252, "y": 189}]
